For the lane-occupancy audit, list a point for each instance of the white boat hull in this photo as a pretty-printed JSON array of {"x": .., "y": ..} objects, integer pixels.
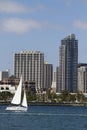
[{"x": 16, "y": 108}]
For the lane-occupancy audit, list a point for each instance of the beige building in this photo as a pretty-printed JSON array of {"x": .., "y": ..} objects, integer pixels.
[
  {"x": 31, "y": 65},
  {"x": 82, "y": 78},
  {"x": 53, "y": 86}
]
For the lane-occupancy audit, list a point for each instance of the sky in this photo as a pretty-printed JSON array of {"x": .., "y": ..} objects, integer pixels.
[{"x": 40, "y": 25}]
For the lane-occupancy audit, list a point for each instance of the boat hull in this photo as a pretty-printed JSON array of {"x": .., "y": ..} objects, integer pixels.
[{"x": 16, "y": 108}]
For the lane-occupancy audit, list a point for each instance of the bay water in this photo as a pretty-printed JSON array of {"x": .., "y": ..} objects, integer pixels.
[{"x": 44, "y": 118}]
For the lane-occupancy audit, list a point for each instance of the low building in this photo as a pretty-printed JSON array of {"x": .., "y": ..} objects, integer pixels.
[
  {"x": 30, "y": 86},
  {"x": 7, "y": 87}
]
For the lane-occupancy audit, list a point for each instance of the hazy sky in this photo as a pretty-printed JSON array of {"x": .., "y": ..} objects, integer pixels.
[{"x": 40, "y": 25}]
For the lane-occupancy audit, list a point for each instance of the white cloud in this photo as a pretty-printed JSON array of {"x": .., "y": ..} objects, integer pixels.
[
  {"x": 80, "y": 24},
  {"x": 11, "y": 7},
  {"x": 15, "y": 7},
  {"x": 19, "y": 25}
]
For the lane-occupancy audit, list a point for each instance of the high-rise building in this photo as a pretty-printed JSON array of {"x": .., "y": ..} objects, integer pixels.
[
  {"x": 68, "y": 64},
  {"x": 48, "y": 75},
  {"x": 57, "y": 80},
  {"x": 31, "y": 65},
  {"x": 82, "y": 78}
]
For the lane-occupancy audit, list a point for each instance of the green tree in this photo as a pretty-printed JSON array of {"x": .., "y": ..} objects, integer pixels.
[
  {"x": 80, "y": 97},
  {"x": 65, "y": 96},
  {"x": 5, "y": 96}
]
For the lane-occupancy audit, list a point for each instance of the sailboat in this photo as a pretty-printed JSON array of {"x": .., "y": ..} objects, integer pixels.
[{"x": 16, "y": 101}]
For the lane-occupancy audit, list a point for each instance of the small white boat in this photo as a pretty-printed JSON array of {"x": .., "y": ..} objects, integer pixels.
[{"x": 18, "y": 105}]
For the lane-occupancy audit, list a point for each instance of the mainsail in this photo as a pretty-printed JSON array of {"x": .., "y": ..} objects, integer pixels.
[{"x": 17, "y": 96}]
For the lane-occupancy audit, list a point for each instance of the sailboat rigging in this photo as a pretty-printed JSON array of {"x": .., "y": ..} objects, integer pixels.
[{"x": 17, "y": 99}]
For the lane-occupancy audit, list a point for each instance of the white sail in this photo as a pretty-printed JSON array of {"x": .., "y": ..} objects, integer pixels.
[
  {"x": 17, "y": 96},
  {"x": 24, "y": 102},
  {"x": 17, "y": 100}
]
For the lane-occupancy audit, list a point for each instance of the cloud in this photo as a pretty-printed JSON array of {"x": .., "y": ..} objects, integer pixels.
[
  {"x": 11, "y": 7},
  {"x": 15, "y": 7},
  {"x": 18, "y": 25},
  {"x": 80, "y": 24}
]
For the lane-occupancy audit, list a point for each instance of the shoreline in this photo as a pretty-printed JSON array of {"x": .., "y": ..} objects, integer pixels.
[
  {"x": 56, "y": 104},
  {"x": 48, "y": 104}
]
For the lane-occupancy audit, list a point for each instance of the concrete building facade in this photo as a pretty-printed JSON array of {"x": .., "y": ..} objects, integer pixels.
[
  {"x": 48, "y": 75},
  {"x": 31, "y": 65},
  {"x": 4, "y": 74},
  {"x": 68, "y": 64},
  {"x": 82, "y": 78}
]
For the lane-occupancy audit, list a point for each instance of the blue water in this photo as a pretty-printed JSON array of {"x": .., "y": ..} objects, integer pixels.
[{"x": 45, "y": 118}]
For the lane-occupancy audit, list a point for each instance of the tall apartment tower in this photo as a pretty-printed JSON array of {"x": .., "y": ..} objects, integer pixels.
[
  {"x": 48, "y": 75},
  {"x": 82, "y": 77},
  {"x": 57, "y": 80},
  {"x": 68, "y": 64},
  {"x": 31, "y": 65}
]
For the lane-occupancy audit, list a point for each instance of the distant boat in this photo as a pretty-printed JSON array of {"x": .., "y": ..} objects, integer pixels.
[{"x": 18, "y": 104}]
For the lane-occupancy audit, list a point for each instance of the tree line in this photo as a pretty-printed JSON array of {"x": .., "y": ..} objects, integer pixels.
[{"x": 48, "y": 96}]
